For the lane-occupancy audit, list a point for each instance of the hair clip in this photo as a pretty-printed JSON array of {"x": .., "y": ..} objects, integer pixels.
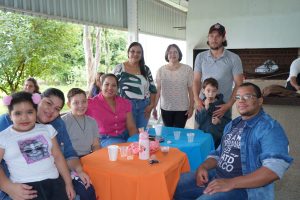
[
  {"x": 7, "y": 100},
  {"x": 36, "y": 98}
]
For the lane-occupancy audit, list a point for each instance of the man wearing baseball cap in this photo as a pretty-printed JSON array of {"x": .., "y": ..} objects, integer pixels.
[{"x": 220, "y": 64}]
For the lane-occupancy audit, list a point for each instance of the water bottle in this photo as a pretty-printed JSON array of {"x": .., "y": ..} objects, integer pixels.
[{"x": 144, "y": 146}]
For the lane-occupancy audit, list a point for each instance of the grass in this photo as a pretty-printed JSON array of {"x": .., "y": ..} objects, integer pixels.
[{"x": 64, "y": 88}]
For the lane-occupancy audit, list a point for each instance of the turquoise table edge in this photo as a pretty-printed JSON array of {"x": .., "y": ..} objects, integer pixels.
[{"x": 196, "y": 151}]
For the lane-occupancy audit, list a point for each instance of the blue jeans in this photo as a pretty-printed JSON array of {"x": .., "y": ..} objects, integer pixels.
[
  {"x": 106, "y": 140},
  {"x": 82, "y": 192},
  {"x": 188, "y": 190},
  {"x": 138, "y": 112}
]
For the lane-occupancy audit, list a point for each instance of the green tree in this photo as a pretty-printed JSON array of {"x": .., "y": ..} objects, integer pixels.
[
  {"x": 31, "y": 46},
  {"x": 113, "y": 49}
]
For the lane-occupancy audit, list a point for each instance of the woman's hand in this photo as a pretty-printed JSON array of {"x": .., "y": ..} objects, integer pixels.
[
  {"x": 148, "y": 111},
  {"x": 190, "y": 111},
  {"x": 21, "y": 191},
  {"x": 154, "y": 113},
  {"x": 199, "y": 104}
]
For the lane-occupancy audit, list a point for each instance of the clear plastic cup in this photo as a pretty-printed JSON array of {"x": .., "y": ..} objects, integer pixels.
[
  {"x": 129, "y": 154},
  {"x": 176, "y": 135},
  {"x": 112, "y": 152},
  {"x": 190, "y": 137},
  {"x": 158, "y": 129},
  {"x": 123, "y": 151}
]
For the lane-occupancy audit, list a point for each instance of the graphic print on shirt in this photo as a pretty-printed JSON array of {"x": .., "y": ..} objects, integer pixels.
[
  {"x": 229, "y": 164},
  {"x": 34, "y": 149}
]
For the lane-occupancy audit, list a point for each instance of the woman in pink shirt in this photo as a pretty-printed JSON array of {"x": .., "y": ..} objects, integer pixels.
[{"x": 112, "y": 113}]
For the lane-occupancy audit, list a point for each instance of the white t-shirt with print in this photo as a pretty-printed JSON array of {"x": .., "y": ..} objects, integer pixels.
[{"x": 28, "y": 154}]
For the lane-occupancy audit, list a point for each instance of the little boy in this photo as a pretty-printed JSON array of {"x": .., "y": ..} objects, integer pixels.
[
  {"x": 82, "y": 129},
  {"x": 204, "y": 118},
  {"x": 83, "y": 132}
]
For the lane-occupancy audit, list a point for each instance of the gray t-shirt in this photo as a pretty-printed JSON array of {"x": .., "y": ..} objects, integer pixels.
[
  {"x": 222, "y": 69},
  {"x": 82, "y": 132}
]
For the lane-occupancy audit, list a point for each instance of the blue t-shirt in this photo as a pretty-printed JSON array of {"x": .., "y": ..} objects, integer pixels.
[{"x": 229, "y": 164}]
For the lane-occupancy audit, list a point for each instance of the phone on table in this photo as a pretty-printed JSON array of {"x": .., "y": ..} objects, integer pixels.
[{"x": 159, "y": 138}]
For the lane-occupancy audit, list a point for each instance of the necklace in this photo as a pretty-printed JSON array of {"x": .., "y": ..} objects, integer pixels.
[{"x": 82, "y": 129}]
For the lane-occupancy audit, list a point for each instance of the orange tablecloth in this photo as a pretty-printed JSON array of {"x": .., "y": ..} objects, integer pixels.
[{"x": 135, "y": 179}]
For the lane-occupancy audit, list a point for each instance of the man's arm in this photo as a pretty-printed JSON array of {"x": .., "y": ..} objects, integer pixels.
[
  {"x": 294, "y": 83},
  {"x": 202, "y": 171},
  {"x": 238, "y": 80},
  {"x": 258, "y": 178},
  {"x": 196, "y": 90}
]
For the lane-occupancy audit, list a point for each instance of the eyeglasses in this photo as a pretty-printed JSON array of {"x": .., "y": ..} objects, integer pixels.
[{"x": 245, "y": 97}]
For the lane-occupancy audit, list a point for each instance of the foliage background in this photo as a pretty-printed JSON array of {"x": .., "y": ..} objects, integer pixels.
[{"x": 50, "y": 51}]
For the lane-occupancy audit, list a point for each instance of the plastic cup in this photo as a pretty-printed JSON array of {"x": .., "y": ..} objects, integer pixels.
[
  {"x": 176, "y": 135},
  {"x": 190, "y": 137},
  {"x": 123, "y": 151},
  {"x": 164, "y": 150},
  {"x": 112, "y": 152},
  {"x": 129, "y": 154},
  {"x": 158, "y": 129}
]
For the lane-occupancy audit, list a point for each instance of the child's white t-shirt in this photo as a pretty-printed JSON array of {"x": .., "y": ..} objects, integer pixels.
[{"x": 28, "y": 154}]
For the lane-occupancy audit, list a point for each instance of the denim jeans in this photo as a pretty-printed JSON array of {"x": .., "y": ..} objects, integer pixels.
[
  {"x": 82, "y": 192},
  {"x": 138, "y": 112},
  {"x": 187, "y": 189},
  {"x": 106, "y": 140}
]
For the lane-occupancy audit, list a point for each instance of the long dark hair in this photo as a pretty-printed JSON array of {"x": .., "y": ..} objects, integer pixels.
[{"x": 142, "y": 60}]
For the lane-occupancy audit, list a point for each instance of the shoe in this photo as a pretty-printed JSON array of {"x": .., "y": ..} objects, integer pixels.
[{"x": 268, "y": 67}]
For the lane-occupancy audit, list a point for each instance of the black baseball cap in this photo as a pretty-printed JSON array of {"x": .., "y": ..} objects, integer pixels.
[{"x": 218, "y": 27}]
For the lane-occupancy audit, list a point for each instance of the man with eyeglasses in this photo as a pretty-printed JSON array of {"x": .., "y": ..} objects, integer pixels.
[{"x": 252, "y": 155}]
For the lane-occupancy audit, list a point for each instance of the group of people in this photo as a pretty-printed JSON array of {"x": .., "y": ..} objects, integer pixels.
[{"x": 244, "y": 165}]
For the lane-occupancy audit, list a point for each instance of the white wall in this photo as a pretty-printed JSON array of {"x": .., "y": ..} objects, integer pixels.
[
  {"x": 248, "y": 23},
  {"x": 155, "y": 48}
]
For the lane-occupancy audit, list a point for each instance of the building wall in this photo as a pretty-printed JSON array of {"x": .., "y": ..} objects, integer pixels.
[{"x": 248, "y": 23}]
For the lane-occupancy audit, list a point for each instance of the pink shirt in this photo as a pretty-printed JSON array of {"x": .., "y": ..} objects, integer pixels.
[{"x": 109, "y": 122}]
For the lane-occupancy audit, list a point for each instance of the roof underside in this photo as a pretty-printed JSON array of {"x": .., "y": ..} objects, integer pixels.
[{"x": 154, "y": 16}]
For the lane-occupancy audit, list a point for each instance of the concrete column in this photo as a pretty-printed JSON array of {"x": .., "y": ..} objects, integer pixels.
[{"x": 132, "y": 17}]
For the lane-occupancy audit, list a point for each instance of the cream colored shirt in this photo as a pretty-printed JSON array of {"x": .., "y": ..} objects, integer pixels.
[{"x": 174, "y": 87}]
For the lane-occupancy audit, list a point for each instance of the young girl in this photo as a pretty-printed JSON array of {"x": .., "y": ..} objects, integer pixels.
[{"x": 31, "y": 151}]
